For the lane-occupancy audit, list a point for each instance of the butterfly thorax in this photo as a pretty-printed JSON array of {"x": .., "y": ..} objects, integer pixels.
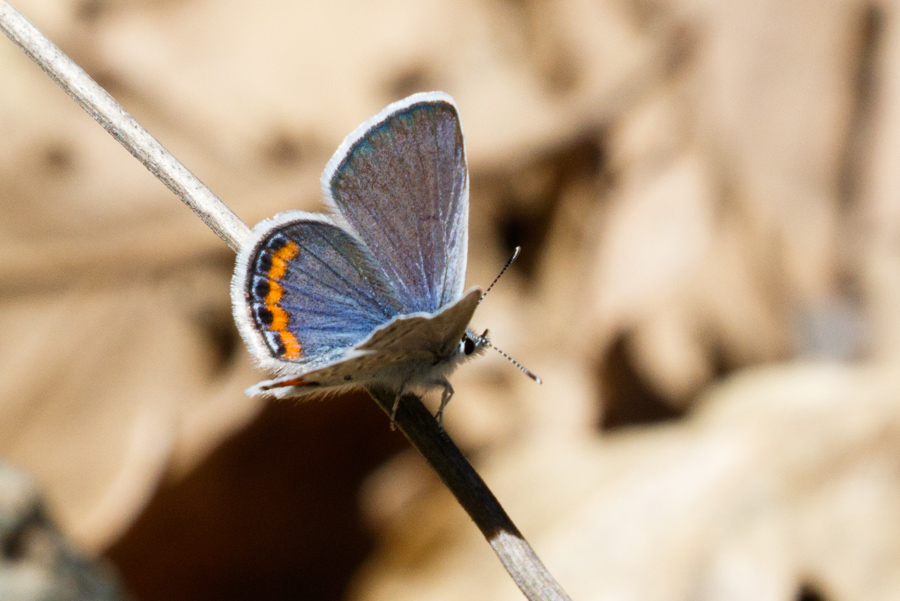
[{"x": 424, "y": 370}]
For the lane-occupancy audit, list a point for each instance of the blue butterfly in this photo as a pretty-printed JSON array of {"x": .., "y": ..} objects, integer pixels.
[{"x": 373, "y": 292}]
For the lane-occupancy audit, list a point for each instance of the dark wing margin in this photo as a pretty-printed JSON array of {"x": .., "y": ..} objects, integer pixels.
[
  {"x": 401, "y": 183},
  {"x": 306, "y": 291}
]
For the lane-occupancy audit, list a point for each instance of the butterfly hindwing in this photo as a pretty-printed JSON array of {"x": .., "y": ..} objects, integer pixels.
[
  {"x": 400, "y": 181},
  {"x": 394, "y": 352},
  {"x": 308, "y": 292}
]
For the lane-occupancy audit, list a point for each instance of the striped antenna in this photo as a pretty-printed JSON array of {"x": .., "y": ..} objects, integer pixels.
[
  {"x": 521, "y": 367},
  {"x": 499, "y": 275},
  {"x": 483, "y": 337}
]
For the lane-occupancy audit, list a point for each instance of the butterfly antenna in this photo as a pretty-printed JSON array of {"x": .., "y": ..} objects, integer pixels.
[
  {"x": 521, "y": 367},
  {"x": 484, "y": 339},
  {"x": 496, "y": 279}
]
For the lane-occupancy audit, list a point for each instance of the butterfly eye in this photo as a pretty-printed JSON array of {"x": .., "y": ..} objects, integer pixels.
[{"x": 468, "y": 346}]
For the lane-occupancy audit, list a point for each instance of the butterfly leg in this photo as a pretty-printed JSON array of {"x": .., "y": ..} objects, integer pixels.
[
  {"x": 445, "y": 398},
  {"x": 396, "y": 404}
]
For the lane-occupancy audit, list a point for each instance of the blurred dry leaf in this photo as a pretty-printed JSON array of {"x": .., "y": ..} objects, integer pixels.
[
  {"x": 706, "y": 194},
  {"x": 37, "y": 564},
  {"x": 782, "y": 477}
]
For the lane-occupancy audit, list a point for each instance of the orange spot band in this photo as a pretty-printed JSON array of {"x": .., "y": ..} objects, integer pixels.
[
  {"x": 284, "y": 383},
  {"x": 292, "y": 348},
  {"x": 280, "y": 261}
]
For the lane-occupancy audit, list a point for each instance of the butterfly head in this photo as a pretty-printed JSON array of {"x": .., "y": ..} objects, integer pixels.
[{"x": 472, "y": 344}]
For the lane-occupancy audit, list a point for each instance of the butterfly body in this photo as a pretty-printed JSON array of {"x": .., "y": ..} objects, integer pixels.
[{"x": 373, "y": 292}]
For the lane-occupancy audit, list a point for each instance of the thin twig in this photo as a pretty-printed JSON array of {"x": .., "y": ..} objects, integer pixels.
[
  {"x": 123, "y": 127},
  {"x": 412, "y": 417},
  {"x": 517, "y": 556}
]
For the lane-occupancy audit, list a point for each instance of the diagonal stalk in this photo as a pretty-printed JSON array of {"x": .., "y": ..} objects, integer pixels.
[{"x": 412, "y": 417}]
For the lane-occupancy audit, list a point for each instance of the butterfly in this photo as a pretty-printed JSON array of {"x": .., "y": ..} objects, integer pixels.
[{"x": 371, "y": 293}]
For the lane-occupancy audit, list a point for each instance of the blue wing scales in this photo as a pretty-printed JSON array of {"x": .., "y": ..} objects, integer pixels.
[
  {"x": 401, "y": 182},
  {"x": 310, "y": 291}
]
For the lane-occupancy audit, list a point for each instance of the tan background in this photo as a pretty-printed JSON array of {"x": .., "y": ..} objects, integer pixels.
[{"x": 706, "y": 193}]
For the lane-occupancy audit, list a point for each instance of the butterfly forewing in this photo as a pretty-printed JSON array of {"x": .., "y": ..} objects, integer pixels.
[
  {"x": 312, "y": 291},
  {"x": 401, "y": 182},
  {"x": 432, "y": 335}
]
